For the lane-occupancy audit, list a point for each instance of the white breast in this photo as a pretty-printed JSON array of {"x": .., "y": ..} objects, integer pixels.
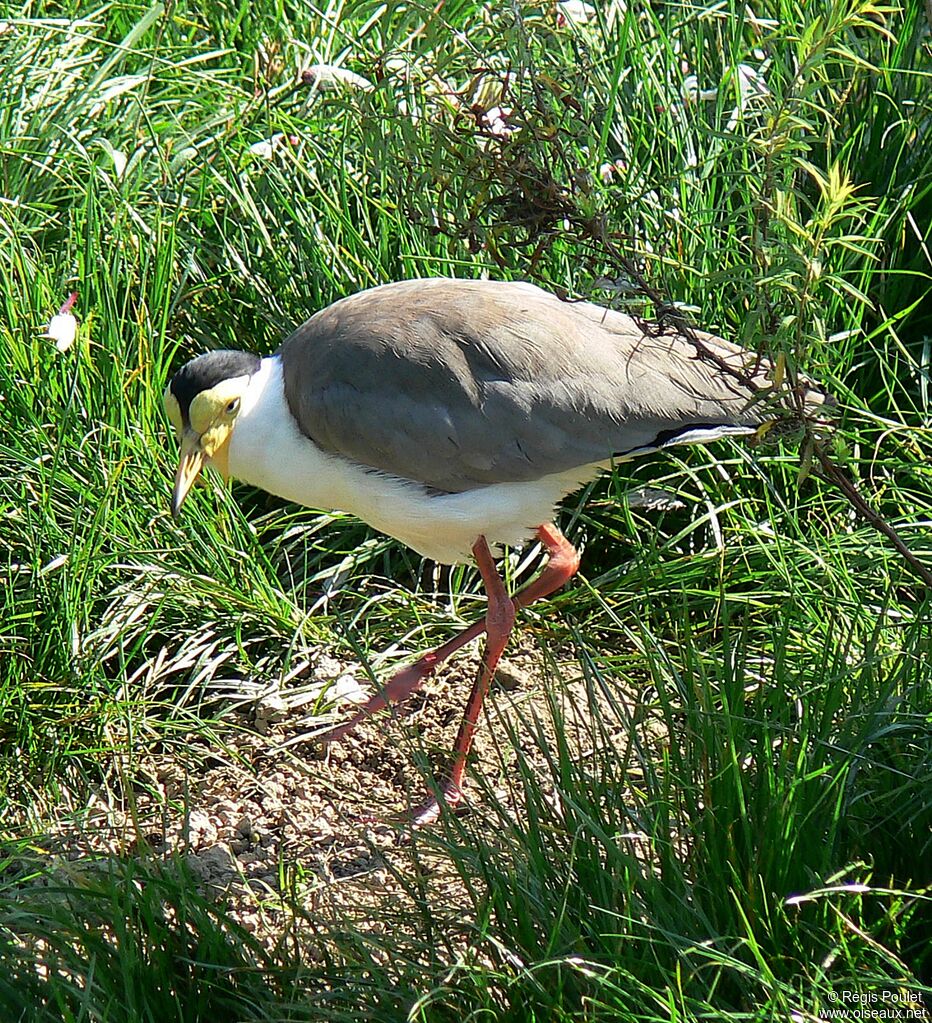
[{"x": 268, "y": 451}]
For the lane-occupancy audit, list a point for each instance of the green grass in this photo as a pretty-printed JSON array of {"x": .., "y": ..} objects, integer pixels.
[{"x": 782, "y": 822}]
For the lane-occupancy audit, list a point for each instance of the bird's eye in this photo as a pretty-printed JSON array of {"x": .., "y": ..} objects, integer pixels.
[{"x": 232, "y": 406}]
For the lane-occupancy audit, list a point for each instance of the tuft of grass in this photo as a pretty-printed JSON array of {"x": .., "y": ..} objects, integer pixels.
[{"x": 126, "y": 941}]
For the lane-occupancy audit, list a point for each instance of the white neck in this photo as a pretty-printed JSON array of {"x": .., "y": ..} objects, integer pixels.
[{"x": 268, "y": 450}]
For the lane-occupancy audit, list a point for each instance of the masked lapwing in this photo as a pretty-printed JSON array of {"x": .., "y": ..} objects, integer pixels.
[{"x": 454, "y": 416}]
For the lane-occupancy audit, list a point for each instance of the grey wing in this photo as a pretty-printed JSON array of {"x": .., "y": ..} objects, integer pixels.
[{"x": 463, "y": 384}]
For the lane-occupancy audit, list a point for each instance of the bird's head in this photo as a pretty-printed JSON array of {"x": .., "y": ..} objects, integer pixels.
[{"x": 202, "y": 402}]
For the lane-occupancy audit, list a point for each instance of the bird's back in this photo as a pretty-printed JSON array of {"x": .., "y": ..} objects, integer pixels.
[{"x": 463, "y": 384}]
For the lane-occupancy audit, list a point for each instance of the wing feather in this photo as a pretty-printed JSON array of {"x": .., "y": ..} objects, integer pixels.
[{"x": 462, "y": 384}]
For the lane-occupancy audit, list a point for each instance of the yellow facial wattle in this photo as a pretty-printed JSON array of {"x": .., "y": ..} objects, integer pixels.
[{"x": 206, "y": 437}]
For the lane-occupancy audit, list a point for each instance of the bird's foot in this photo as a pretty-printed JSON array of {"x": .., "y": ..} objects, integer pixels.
[
  {"x": 398, "y": 688},
  {"x": 450, "y": 798}
]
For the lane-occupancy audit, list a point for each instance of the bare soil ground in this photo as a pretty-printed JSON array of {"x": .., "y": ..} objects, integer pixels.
[{"x": 269, "y": 812}]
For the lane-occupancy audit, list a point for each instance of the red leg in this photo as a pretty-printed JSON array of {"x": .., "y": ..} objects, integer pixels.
[
  {"x": 562, "y": 564},
  {"x": 499, "y": 621},
  {"x": 407, "y": 681}
]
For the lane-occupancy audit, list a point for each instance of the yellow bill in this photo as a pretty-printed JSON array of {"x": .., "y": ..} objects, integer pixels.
[{"x": 189, "y": 468}]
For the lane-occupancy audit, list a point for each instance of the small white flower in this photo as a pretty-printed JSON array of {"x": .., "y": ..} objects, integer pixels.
[
  {"x": 751, "y": 83},
  {"x": 574, "y": 12},
  {"x": 692, "y": 92},
  {"x": 267, "y": 148},
  {"x": 751, "y": 86},
  {"x": 63, "y": 327},
  {"x": 495, "y": 121},
  {"x": 608, "y": 171},
  {"x": 330, "y": 76}
]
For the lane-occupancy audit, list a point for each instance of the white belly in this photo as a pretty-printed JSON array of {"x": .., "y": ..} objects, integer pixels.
[{"x": 268, "y": 451}]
